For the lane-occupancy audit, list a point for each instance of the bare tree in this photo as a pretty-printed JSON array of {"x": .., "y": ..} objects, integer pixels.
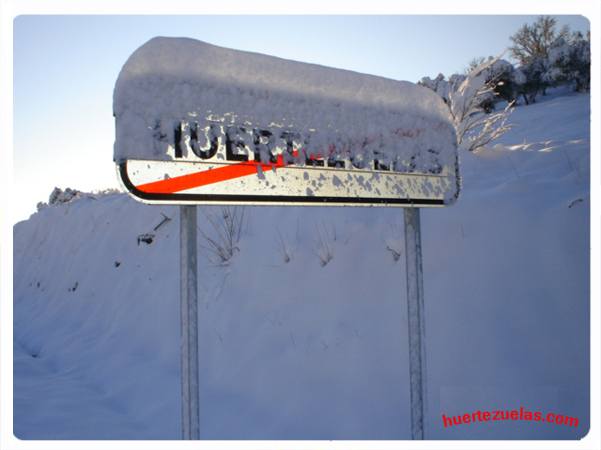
[
  {"x": 531, "y": 46},
  {"x": 533, "y": 41}
]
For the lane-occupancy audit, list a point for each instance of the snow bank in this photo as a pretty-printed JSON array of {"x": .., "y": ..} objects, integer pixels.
[
  {"x": 172, "y": 80},
  {"x": 299, "y": 350}
]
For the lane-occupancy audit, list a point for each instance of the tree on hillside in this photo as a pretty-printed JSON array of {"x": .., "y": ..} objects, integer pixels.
[
  {"x": 531, "y": 46},
  {"x": 532, "y": 42},
  {"x": 546, "y": 57},
  {"x": 502, "y": 76},
  {"x": 534, "y": 80},
  {"x": 569, "y": 61}
]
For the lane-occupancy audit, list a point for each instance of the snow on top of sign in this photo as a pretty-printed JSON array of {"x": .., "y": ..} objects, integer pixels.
[{"x": 172, "y": 80}]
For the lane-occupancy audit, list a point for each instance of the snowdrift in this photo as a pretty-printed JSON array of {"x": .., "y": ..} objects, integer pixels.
[{"x": 291, "y": 348}]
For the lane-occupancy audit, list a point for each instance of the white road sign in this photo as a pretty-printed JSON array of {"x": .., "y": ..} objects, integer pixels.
[{"x": 199, "y": 124}]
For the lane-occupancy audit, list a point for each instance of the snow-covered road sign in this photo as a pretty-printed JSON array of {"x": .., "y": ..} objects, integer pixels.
[{"x": 199, "y": 124}]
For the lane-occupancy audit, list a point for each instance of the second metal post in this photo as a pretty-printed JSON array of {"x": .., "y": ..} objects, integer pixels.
[
  {"x": 189, "y": 322},
  {"x": 416, "y": 326}
]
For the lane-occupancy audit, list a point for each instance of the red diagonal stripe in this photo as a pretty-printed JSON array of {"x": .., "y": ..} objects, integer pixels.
[{"x": 197, "y": 179}]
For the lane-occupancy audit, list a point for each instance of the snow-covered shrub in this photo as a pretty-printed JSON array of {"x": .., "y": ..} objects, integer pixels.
[
  {"x": 534, "y": 79},
  {"x": 506, "y": 80},
  {"x": 441, "y": 86},
  {"x": 569, "y": 62},
  {"x": 471, "y": 99},
  {"x": 58, "y": 196},
  {"x": 107, "y": 191},
  {"x": 467, "y": 105},
  {"x": 499, "y": 73},
  {"x": 549, "y": 57}
]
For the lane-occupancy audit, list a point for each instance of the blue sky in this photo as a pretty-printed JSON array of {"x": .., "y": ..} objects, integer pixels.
[{"x": 65, "y": 68}]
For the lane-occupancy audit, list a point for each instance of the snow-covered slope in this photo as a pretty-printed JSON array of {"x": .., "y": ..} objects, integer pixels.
[{"x": 303, "y": 350}]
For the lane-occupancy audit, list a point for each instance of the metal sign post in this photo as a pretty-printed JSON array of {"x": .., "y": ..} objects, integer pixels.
[
  {"x": 416, "y": 326},
  {"x": 189, "y": 322}
]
